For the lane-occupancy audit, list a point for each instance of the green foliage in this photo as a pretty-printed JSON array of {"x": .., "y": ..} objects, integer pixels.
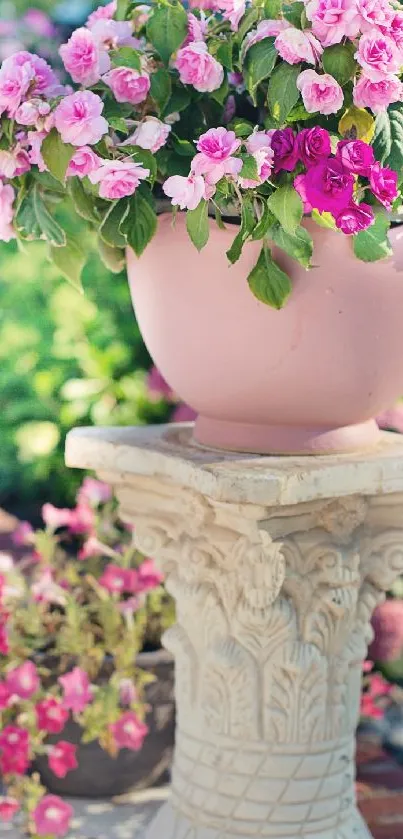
[
  {"x": 197, "y": 225},
  {"x": 268, "y": 282},
  {"x": 167, "y": 28},
  {"x": 286, "y": 205},
  {"x": 283, "y": 93},
  {"x": 339, "y": 62},
  {"x": 388, "y": 140},
  {"x": 259, "y": 62},
  {"x": 373, "y": 244}
]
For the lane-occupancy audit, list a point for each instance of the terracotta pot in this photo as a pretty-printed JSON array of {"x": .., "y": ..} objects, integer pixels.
[
  {"x": 100, "y": 776},
  {"x": 309, "y": 378}
]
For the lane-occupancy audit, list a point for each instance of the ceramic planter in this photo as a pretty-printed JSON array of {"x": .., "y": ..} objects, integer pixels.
[
  {"x": 98, "y": 775},
  {"x": 309, "y": 378}
]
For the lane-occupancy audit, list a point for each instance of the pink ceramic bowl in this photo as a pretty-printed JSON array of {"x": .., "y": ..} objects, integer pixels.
[{"x": 308, "y": 378}]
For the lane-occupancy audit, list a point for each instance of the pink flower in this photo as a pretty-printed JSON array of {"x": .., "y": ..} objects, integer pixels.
[
  {"x": 394, "y": 28},
  {"x": 78, "y": 119},
  {"x": 354, "y": 218},
  {"x": 82, "y": 519},
  {"x": 320, "y": 92},
  {"x": 118, "y": 580},
  {"x": 77, "y": 690},
  {"x": 202, "y": 4},
  {"x": 378, "y": 56},
  {"x": 383, "y": 182},
  {"x": 40, "y": 23},
  {"x": 8, "y": 808},
  {"x": 32, "y": 112},
  {"x": 7, "y": 195},
  {"x": 23, "y": 681},
  {"x": 83, "y": 59},
  {"x": 52, "y": 816},
  {"x": 83, "y": 162},
  {"x": 5, "y": 696},
  {"x": 102, "y": 13},
  {"x": 43, "y": 80},
  {"x": 51, "y": 716},
  {"x": 218, "y": 144},
  {"x": 45, "y": 590},
  {"x": 185, "y": 193},
  {"x": 13, "y": 163},
  {"x": 374, "y": 14},
  {"x": 129, "y": 732},
  {"x": 62, "y": 758},
  {"x": 14, "y": 84},
  {"x": 285, "y": 147},
  {"x": 14, "y": 750},
  {"x": 198, "y": 68},
  {"x": 356, "y": 156},
  {"x": 295, "y": 46},
  {"x": 55, "y": 517},
  {"x": 93, "y": 492},
  {"x": 333, "y": 20},
  {"x": 377, "y": 95},
  {"x": 150, "y": 134},
  {"x": 148, "y": 576},
  {"x": 232, "y": 10},
  {"x": 129, "y": 606},
  {"x": 4, "y": 640},
  {"x": 117, "y": 178},
  {"x": 328, "y": 187},
  {"x": 214, "y": 171},
  {"x": 35, "y": 140},
  {"x": 127, "y": 692},
  {"x": 265, "y": 29},
  {"x": 197, "y": 28},
  {"x": 314, "y": 145},
  {"x": 128, "y": 85}
]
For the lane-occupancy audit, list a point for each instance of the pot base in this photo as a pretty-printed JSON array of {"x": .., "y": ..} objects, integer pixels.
[{"x": 283, "y": 439}]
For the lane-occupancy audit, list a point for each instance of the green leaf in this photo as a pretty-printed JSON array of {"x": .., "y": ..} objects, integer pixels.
[
  {"x": 224, "y": 54},
  {"x": 339, "y": 62},
  {"x": 118, "y": 124},
  {"x": 388, "y": 139},
  {"x": 249, "y": 167},
  {"x": 180, "y": 99},
  {"x": 283, "y": 93},
  {"x": 242, "y": 127},
  {"x": 248, "y": 223},
  {"x": 259, "y": 62},
  {"x": 298, "y": 113},
  {"x": 268, "y": 282},
  {"x": 299, "y": 246},
  {"x": 263, "y": 225},
  {"x": 33, "y": 220},
  {"x": 140, "y": 223},
  {"x": 272, "y": 9},
  {"x": 182, "y": 147},
  {"x": 51, "y": 230},
  {"x": 324, "y": 220},
  {"x": 373, "y": 244},
  {"x": 197, "y": 225},
  {"x": 57, "y": 155},
  {"x": 109, "y": 230},
  {"x": 127, "y": 57},
  {"x": 248, "y": 20},
  {"x": 113, "y": 258},
  {"x": 286, "y": 205},
  {"x": 221, "y": 93},
  {"x": 145, "y": 157},
  {"x": 122, "y": 7},
  {"x": 70, "y": 260},
  {"x": 84, "y": 204},
  {"x": 293, "y": 13},
  {"x": 160, "y": 89},
  {"x": 25, "y": 221},
  {"x": 167, "y": 29}
]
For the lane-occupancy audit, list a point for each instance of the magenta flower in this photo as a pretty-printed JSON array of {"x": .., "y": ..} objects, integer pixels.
[
  {"x": 328, "y": 187},
  {"x": 4, "y": 639},
  {"x": 83, "y": 163},
  {"x": 22, "y": 535},
  {"x": 218, "y": 144},
  {"x": 79, "y": 120},
  {"x": 377, "y": 95},
  {"x": 129, "y": 732},
  {"x": 51, "y": 716},
  {"x": 83, "y": 59},
  {"x": 356, "y": 156},
  {"x": 148, "y": 576},
  {"x": 314, "y": 145},
  {"x": 23, "y": 681},
  {"x": 128, "y": 85},
  {"x": 118, "y": 178},
  {"x": 198, "y": 68},
  {"x": 14, "y": 750},
  {"x": 8, "y": 808},
  {"x": 82, "y": 519},
  {"x": 185, "y": 193},
  {"x": 118, "y": 580},
  {"x": 378, "y": 56},
  {"x": 5, "y": 696},
  {"x": 285, "y": 147},
  {"x": 77, "y": 692},
  {"x": 183, "y": 413},
  {"x": 52, "y": 816},
  {"x": 383, "y": 182},
  {"x": 354, "y": 218},
  {"x": 62, "y": 758}
]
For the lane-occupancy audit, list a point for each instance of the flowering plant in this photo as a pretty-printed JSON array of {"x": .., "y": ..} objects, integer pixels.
[
  {"x": 74, "y": 613},
  {"x": 264, "y": 110}
]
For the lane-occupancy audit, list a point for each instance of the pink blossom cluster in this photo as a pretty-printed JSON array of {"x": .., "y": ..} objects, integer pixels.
[{"x": 375, "y": 695}]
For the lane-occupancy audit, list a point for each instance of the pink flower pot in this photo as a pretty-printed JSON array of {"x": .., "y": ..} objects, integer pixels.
[{"x": 309, "y": 378}]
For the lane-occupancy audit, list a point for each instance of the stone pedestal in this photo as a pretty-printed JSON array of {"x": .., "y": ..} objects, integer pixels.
[{"x": 276, "y": 564}]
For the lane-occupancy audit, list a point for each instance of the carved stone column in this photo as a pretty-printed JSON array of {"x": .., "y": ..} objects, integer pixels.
[{"x": 276, "y": 565}]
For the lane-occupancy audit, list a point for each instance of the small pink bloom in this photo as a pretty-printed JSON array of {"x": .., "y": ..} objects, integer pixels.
[
  {"x": 377, "y": 95},
  {"x": 129, "y": 732},
  {"x": 112, "y": 34},
  {"x": 383, "y": 182},
  {"x": 185, "y": 193},
  {"x": 232, "y": 10},
  {"x": 333, "y": 20},
  {"x": 259, "y": 144},
  {"x": 354, "y": 218},
  {"x": 14, "y": 163},
  {"x": 394, "y": 28},
  {"x": 8, "y": 808},
  {"x": 356, "y": 156},
  {"x": 148, "y": 576},
  {"x": 213, "y": 171},
  {"x": 83, "y": 59},
  {"x": 23, "y": 681},
  {"x": 77, "y": 690},
  {"x": 5, "y": 696},
  {"x": 202, "y": 4},
  {"x": 51, "y": 716},
  {"x": 14, "y": 84},
  {"x": 295, "y": 46},
  {"x": 79, "y": 120},
  {"x": 62, "y": 758},
  {"x": 128, "y": 85},
  {"x": 4, "y": 639},
  {"x": 52, "y": 816},
  {"x": 32, "y": 112},
  {"x": 55, "y": 517},
  {"x": 127, "y": 692},
  {"x": 117, "y": 178},
  {"x": 102, "y": 13},
  {"x": 14, "y": 750},
  {"x": 314, "y": 145},
  {"x": 320, "y": 92},
  {"x": 35, "y": 140},
  {"x": 150, "y": 134},
  {"x": 285, "y": 147},
  {"x": 378, "y": 56},
  {"x": 94, "y": 492},
  {"x": 7, "y": 195},
  {"x": 374, "y": 14},
  {"x": 91, "y": 547},
  {"x": 45, "y": 590},
  {"x": 197, "y": 28},
  {"x": 83, "y": 162},
  {"x": 328, "y": 187},
  {"x": 129, "y": 606},
  {"x": 40, "y": 23},
  {"x": 218, "y": 144},
  {"x": 265, "y": 29},
  {"x": 82, "y": 518},
  {"x": 43, "y": 80},
  {"x": 198, "y": 68},
  {"x": 183, "y": 413},
  {"x": 118, "y": 580}
]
